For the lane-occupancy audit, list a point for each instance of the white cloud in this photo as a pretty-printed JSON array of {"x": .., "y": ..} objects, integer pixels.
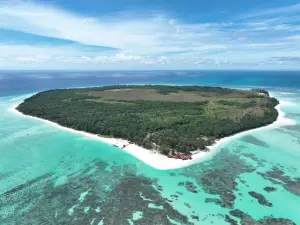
[
  {"x": 38, "y": 59},
  {"x": 48, "y": 21},
  {"x": 265, "y": 45},
  {"x": 158, "y": 40},
  {"x": 163, "y": 60},
  {"x": 294, "y": 37},
  {"x": 276, "y": 11},
  {"x": 286, "y": 59},
  {"x": 122, "y": 57},
  {"x": 144, "y": 35}
]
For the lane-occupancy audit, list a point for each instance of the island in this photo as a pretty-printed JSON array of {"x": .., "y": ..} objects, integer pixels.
[{"x": 164, "y": 118}]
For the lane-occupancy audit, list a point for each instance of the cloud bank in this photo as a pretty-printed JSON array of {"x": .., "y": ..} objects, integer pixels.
[{"x": 161, "y": 41}]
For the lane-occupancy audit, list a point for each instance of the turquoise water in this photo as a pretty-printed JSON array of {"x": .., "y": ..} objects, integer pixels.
[{"x": 51, "y": 176}]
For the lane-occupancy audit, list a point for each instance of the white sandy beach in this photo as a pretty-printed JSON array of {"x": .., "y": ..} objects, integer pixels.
[{"x": 159, "y": 161}]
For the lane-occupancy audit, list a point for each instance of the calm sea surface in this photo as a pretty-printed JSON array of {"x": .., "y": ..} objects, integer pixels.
[{"x": 51, "y": 176}]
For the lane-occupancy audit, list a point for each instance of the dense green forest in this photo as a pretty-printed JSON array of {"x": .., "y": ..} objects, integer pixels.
[{"x": 181, "y": 118}]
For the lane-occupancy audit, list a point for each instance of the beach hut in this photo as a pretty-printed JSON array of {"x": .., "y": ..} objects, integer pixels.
[{"x": 188, "y": 156}]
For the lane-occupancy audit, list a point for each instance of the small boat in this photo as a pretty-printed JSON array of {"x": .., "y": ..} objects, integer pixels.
[
  {"x": 182, "y": 156},
  {"x": 175, "y": 156},
  {"x": 170, "y": 156},
  {"x": 188, "y": 156},
  {"x": 115, "y": 145}
]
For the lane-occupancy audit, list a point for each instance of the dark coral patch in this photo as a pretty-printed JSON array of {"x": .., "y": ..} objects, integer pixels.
[
  {"x": 180, "y": 184},
  {"x": 221, "y": 180},
  {"x": 277, "y": 176},
  {"x": 255, "y": 141},
  {"x": 260, "y": 198},
  {"x": 89, "y": 198},
  {"x": 191, "y": 187},
  {"x": 248, "y": 220},
  {"x": 270, "y": 189},
  {"x": 230, "y": 220}
]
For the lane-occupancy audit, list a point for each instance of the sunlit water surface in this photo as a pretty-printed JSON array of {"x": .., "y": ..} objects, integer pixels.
[{"x": 51, "y": 176}]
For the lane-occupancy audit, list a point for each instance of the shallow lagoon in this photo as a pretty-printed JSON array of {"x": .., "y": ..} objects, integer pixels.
[{"x": 53, "y": 176}]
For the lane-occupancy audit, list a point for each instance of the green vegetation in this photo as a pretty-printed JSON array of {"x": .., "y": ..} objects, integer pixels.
[{"x": 182, "y": 118}]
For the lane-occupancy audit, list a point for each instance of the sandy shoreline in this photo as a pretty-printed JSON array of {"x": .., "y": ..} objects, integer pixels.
[{"x": 159, "y": 161}]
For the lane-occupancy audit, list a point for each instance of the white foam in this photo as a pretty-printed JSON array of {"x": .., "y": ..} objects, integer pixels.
[
  {"x": 286, "y": 103},
  {"x": 286, "y": 93}
]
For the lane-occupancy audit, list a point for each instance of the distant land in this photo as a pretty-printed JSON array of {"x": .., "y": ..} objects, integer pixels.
[{"x": 164, "y": 118}]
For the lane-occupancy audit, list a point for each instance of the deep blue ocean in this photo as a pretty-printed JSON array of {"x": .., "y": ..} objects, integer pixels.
[
  {"x": 20, "y": 82},
  {"x": 52, "y": 176}
]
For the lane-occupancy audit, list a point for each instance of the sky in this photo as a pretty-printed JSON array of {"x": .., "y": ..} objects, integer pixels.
[{"x": 150, "y": 34}]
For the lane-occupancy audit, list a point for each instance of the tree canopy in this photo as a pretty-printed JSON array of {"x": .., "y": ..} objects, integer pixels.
[{"x": 181, "y": 118}]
